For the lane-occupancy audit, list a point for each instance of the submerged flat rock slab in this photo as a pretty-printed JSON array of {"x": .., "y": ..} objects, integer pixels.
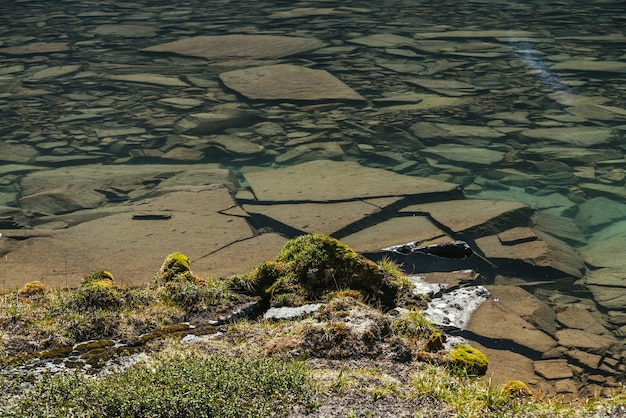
[
  {"x": 238, "y": 46},
  {"x": 463, "y": 154},
  {"x": 397, "y": 230},
  {"x": 608, "y": 287},
  {"x": 606, "y": 248},
  {"x": 579, "y": 136},
  {"x": 496, "y": 320},
  {"x": 321, "y": 218},
  {"x": 593, "y": 66},
  {"x": 123, "y": 177},
  {"x": 328, "y": 181},
  {"x": 532, "y": 247},
  {"x": 474, "y": 215},
  {"x": 430, "y": 130},
  {"x": 35, "y": 48},
  {"x": 130, "y": 246},
  {"x": 288, "y": 82},
  {"x": 240, "y": 257}
]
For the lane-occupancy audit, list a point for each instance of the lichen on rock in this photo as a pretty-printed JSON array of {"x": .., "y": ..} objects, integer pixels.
[{"x": 468, "y": 359}]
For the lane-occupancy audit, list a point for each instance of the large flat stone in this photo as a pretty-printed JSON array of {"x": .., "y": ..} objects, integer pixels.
[
  {"x": 393, "y": 232},
  {"x": 463, "y": 154},
  {"x": 592, "y": 66},
  {"x": 321, "y": 218},
  {"x": 586, "y": 341},
  {"x": 527, "y": 306},
  {"x": 532, "y": 247},
  {"x": 553, "y": 369},
  {"x": 606, "y": 248},
  {"x": 578, "y": 136},
  {"x": 577, "y": 318},
  {"x": 238, "y": 46},
  {"x": 240, "y": 257},
  {"x": 130, "y": 243},
  {"x": 494, "y": 319},
  {"x": 475, "y": 216},
  {"x": 332, "y": 181},
  {"x": 120, "y": 180},
  {"x": 288, "y": 82}
]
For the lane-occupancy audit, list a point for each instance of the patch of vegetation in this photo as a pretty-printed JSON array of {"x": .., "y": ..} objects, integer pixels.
[
  {"x": 310, "y": 267},
  {"x": 468, "y": 360},
  {"x": 188, "y": 384},
  {"x": 36, "y": 319}
]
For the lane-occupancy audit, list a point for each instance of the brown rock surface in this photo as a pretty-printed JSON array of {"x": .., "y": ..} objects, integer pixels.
[
  {"x": 35, "y": 48},
  {"x": 288, "y": 82},
  {"x": 553, "y": 369},
  {"x": 321, "y": 218},
  {"x": 575, "y": 338},
  {"x": 532, "y": 247},
  {"x": 474, "y": 216},
  {"x": 497, "y": 319},
  {"x": 131, "y": 248},
  {"x": 393, "y": 232},
  {"x": 238, "y": 46},
  {"x": 239, "y": 257},
  {"x": 331, "y": 181},
  {"x": 577, "y": 318}
]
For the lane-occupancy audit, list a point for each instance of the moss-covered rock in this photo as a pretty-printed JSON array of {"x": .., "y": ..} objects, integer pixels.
[
  {"x": 310, "y": 267},
  {"x": 176, "y": 268},
  {"x": 515, "y": 389},
  {"x": 32, "y": 289},
  {"x": 468, "y": 359},
  {"x": 435, "y": 341},
  {"x": 102, "y": 278}
]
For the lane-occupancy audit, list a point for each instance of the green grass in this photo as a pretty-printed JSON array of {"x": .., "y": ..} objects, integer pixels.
[{"x": 187, "y": 384}]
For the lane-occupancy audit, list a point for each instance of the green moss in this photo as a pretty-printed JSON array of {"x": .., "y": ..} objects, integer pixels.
[
  {"x": 100, "y": 278},
  {"x": 175, "y": 266},
  {"x": 468, "y": 359},
  {"x": 30, "y": 289},
  {"x": 515, "y": 389},
  {"x": 55, "y": 352},
  {"x": 310, "y": 267},
  {"x": 435, "y": 342},
  {"x": 94, "y": 345}
]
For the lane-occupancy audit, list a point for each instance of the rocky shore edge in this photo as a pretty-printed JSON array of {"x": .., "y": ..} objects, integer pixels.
[{"x": 318, "y": 300}]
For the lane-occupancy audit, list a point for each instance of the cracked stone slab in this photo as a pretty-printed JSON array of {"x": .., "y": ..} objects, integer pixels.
[
  {"x": 332, "y": 181},
  {"x": 322, "y": 218},
  {"x": 474, "y": 215},
  {"x": 129, "y": 248}
]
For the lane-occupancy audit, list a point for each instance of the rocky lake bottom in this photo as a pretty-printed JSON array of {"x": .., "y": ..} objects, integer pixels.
[{"x": 129, "y": 130}]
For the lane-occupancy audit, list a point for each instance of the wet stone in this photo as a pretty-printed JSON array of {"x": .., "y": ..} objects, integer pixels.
[
  {"x": 327, "y": 181},
  {"x": 553, "y": 369},
  {"x": 238, "y": 46},
  {"x": 288, "y": 82}
]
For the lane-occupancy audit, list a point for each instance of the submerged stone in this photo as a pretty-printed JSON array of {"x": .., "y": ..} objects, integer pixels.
[
  {"x": 328, "y": 181},
  {"x": 288, "y": 82},
  {"x": 238, "y": 46}
]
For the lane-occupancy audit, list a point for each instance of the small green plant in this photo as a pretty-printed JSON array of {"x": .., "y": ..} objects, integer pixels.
[{"x": 413, "y": 324}]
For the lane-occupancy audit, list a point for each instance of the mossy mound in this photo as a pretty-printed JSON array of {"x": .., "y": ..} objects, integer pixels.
[
  {"x": 31, "y": 289},
  {"x": 102, "y": 278},
  {"x": 310, "y": 267},
  {"x": 435, "y": 341},
  {"x": 468, "y": 359},
  {"x": 175, "y": 267},
  {"x": 515, "y": 389}
]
